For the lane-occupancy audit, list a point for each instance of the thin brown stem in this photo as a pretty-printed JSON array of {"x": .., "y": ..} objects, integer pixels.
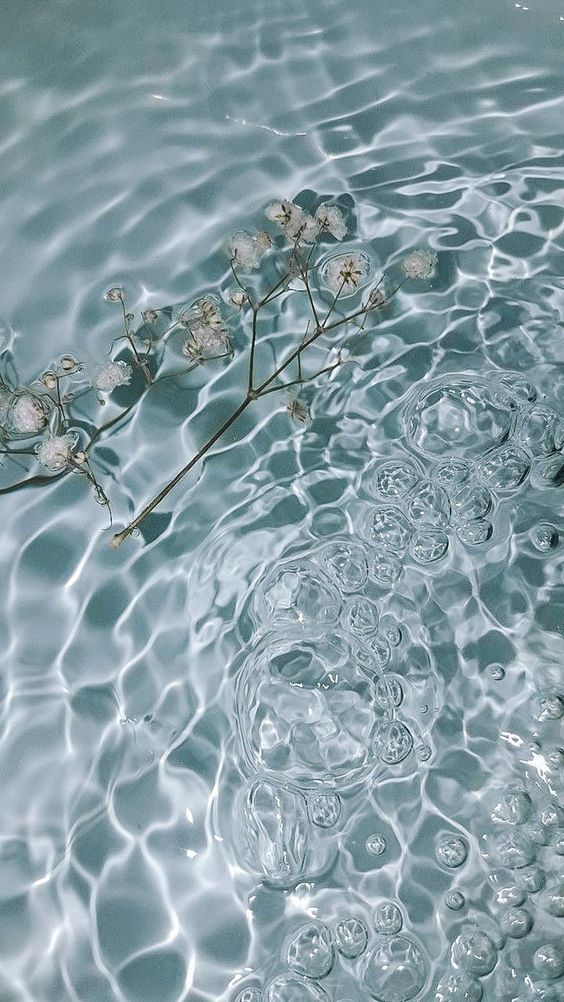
[{"x": 119, "y": 537}]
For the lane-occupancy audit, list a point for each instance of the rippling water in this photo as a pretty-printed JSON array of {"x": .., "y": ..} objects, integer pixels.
[{"x": 304, "y": 739}]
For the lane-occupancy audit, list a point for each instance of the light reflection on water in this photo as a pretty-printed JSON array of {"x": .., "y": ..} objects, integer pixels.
[{"x": 151, "y": 847}]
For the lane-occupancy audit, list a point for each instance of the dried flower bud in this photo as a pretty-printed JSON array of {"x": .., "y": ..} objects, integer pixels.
[
  {"x": 68, "y": 364},
  {"x": 298, "y": 411},
  {"x": 238, "y": 298},
  {"x": 114, "y": 295},
  {"x": 49, "y": 380},
  {"x": 150, "y": 315},
  {"x": 376, "y": 297},
  {"x": 80, "y": 457}
]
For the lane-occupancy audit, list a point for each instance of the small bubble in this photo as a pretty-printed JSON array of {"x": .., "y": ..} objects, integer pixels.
[
  {"x": 351, "y": 937},
  {"x": 388, "y": 692},
  {"x": 424, "y": 708},
  {"x": 391, "y": 631},
  {"x": 554, "y": 899},
  {"x": 249, "y": 995},
  {"x": 474, "y": 952},
  {"x": 544, "y": 537},
  {"x": 548, "y": 961},
  {"x": 388, "y": 919},
  {"x": 531, "y": 878},
  {"x": 512, "y": 895},
  {"x": 452, "y": 851},
  {"x": 497, "y": 672},
  {"x": 516, "y": 922},
  {"x": 325, "y": 810},
  {"x": 423, "y": 753},
  {"x": 310, "y": 951},
  {"x": 135, "y": 533},
  {"x": 375, "y": 844},
  {"x": 455, "y": 900},
  {"x": 547, "y": 706}
]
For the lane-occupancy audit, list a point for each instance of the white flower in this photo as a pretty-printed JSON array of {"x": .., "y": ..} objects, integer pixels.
[
  {"x": 206, "y": 341},
  {"x": 346, "y": 272},
  {"x": 238, "y": 298},
  {"x": 280, "y": 213},
  {"x": 112, "y": 374},
  {"x": 56, "y": 452},
  {"x": 28, "y": 415},
  {"x": 247, "y": 249},
  {"x": 331, "y": 220},
  {"x": 419, "y": 264},
  {"x": 377, "y": 296},
  {"x": 114, "y": 295},
  {"x": 293, "y": 220}
]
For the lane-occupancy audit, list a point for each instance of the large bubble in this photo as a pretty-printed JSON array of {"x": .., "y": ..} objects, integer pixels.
[
  {"x": 288, "y": 989},
  {"x": 395, "y": 970},
  {"x": 296, "y": 592},
  {"x": 310, "y": 951},
  {"x": 273, "y": 831},
  {"x": 457, "y": 415},
  {"x": 307, "y": 711},
  {"x": 474, "y": 952}
]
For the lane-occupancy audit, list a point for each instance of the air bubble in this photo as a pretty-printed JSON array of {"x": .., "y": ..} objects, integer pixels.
[
  {"x": 429, "y": 504},
  {"x": 548, "y": 961},
  {"x": 249, "y": 995},
  {"x": 474, "y": 952},
  {"x": 455, "y": 900},
  {"x": 451, "y": 473},
  {"x": 288, "y": 989},
  {"x": 452, "y": 851},
  {"x": 513, "y": 849},
  {"x": 497, "y": 672},
  {"x": 544, "y": 537},
  {"x": 396, "y": 970},
  {"x": 375, "y": 844},
  {"x": 516, "y": 922},
  {"x": 423, "y": 753},
  {"x": 554, "y": 899},
  {"x": 428, "y": 546},
  {"x": 505, "y": 469},
  {"x": 395, "y": 744},
  {"x": 361, "y": 616},
  {"x": 346, "y": 565},
  {"x": 388, "y": 692},
  {"x": 391, "y": 630},
  {"x": 394, "y": 480},
  {"x": 471, "y": 503},
  {"x": 475, "y": 533},
  {"x": 514, "y": 808},
  {"x": 325, "y": 809},
  {"x": 388, "y": 919},
  {"x": 386, "y": 568},
  {"x": 458, "y": 988},
  {"x": 547, "y": 706},
  {"x": 388, "y": 529},
  {"x": 531, "y": 878},
  {"x": 310, "y": 951},
  {"x": 351, "y": 937}
]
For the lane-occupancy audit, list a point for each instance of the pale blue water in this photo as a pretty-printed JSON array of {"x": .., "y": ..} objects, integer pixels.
[{"x": 272, "y": 708}]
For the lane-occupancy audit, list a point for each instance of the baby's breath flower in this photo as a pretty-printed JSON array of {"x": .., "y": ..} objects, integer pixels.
[
  {"x": 205, "y": 341},
  {"x": 295, "y": 222},
  {"x": 377, "y": 296},
  {"x": 280, "y": 213},
  {"x": 109, "y": 375},
  {"x": 298, "y": 411},
  {"x": 331, "y": 220},
  {"x": 114, "y": 295},
  {"x": 419, "y": 264},
  {"x": 150, "y": 315},
  {"x": 68, "y": 364},
  {"x": 247, "y": 249},
  {"x": 346, "y": 272},
  {"x": 28, "y": 415},
  {"x": 55, "y": 452},
  {"x": 238, "y": 298},
  {"x": 49, "y": 380}
]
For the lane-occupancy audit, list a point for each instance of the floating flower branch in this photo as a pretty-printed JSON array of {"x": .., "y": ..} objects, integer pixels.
[{"x": 266, "y": 269}]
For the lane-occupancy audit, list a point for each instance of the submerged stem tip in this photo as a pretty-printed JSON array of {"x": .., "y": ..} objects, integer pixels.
[{"x": 118, "y": 537}]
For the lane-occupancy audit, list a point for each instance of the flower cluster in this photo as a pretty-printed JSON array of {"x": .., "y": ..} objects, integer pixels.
[
  {"x": 298, "y": 224},
  {"x": 419, "y": 264},
  {"x": 346, "y": 272},
  {"x": 248, "y": 249},
  {"x": 28, "y": 414},
  {"x": 209, "y": 337},
  {"x": 56, "y": 452},
  {"x": 110, "y": 375}
]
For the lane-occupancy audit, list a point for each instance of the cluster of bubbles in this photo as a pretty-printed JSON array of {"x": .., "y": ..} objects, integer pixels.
[
  {"x": 389, "y": 962},
  {"x": 324, "y": 707},
  {"x": 523, "y": 944}
]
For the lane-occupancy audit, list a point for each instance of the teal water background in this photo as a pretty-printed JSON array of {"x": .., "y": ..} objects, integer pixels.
[{"x": 133, "y": 139}]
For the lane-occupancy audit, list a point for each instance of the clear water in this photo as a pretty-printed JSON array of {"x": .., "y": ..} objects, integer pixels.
[{"x": 182, "y": 790}]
